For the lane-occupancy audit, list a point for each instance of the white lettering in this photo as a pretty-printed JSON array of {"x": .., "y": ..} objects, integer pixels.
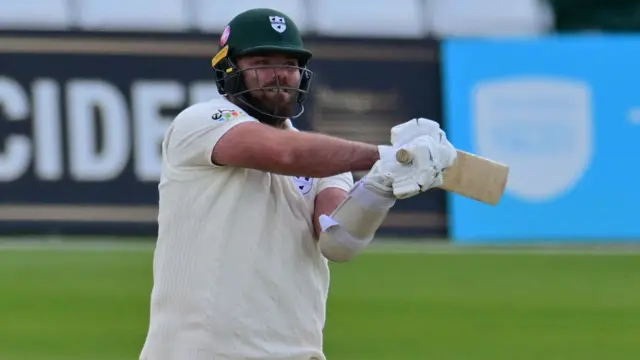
[
  {"x": 87, "y": 162},
  {"x": 47, "y": 130},
  {"x": 14, "y": 161},
  {"x": 149, "y": 98}
]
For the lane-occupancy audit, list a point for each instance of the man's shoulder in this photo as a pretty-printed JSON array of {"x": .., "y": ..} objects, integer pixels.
[{"x": 217, "y": 109}]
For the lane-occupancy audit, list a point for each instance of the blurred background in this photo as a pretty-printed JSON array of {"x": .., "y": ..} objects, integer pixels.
[{"x": 549, "y": 87}]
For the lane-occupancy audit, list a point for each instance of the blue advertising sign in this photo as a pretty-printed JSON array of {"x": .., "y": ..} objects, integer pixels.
[{"x": 564, "y": 114}]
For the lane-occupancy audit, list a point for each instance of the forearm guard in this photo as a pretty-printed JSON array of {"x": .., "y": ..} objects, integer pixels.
[{"x": 353, "y": 224}]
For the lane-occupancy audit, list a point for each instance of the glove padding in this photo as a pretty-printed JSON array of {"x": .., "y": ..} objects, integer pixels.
[
  {"x": 422, "y": 174},
  {"x": 414, "y": 128}
]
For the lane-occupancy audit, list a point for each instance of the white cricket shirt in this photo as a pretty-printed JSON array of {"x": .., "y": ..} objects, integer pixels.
[{"x": 237, "y": 272}]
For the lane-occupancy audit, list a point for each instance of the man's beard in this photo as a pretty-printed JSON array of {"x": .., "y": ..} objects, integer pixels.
[{"x": 275, "y": 106}]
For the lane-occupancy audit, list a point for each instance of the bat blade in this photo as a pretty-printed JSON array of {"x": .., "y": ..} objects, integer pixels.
[
  {"x": 477, "y": 178},
  {"x": 471, "y": 176}
]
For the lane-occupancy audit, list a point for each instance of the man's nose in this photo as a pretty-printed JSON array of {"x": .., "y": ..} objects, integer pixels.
[{"x": 281, "y": 75}]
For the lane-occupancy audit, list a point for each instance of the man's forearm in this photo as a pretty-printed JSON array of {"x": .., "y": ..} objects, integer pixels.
[
  {"x": 318, "y": 155},
  {"x": 256, "y": 146}
]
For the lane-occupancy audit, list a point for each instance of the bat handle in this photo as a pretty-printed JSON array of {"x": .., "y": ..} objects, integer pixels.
[{"x": 403, "y": 156}]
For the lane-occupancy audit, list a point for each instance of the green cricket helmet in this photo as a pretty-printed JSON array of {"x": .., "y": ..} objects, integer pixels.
[{"x": 260, "y": 32}]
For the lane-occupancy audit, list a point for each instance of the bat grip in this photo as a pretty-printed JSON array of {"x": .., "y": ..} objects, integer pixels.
[{"x": 403, "y": 156}]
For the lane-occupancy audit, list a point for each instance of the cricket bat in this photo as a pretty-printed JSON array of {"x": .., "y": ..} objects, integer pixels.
[{"x": 471, "y": 176}]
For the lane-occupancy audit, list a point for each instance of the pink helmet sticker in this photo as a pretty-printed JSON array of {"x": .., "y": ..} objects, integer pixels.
[{"x": 225, "y": 35}]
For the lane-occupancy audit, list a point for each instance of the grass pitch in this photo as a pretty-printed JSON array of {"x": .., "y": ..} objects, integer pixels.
[{"x": 64, "y": 302}]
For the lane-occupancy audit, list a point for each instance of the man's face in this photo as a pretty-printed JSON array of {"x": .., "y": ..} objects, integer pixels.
[{"x": 273, "y": 80}]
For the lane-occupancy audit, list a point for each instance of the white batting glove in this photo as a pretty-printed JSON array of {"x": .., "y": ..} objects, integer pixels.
[
  {"x": 414, "y": 128},
  {"x": 377, "y": 180},
  {"x": 407, "y": 180}
]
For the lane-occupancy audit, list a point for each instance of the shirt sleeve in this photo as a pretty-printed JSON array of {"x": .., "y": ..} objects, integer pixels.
[
  {"x": 342, "y": 181},
  {"x": 195, "y": 133}
]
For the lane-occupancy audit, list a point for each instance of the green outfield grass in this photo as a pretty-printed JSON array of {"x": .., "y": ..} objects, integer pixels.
[{"x": 62, "y": 303}]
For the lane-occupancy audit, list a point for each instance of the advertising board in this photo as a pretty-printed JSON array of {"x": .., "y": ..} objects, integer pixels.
[
  {"x": 564, "y": 114},
  {"x": 82, "y": 118}
]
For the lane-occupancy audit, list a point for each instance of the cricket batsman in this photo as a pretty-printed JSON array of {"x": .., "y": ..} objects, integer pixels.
[{"x": 251, "y": 210}]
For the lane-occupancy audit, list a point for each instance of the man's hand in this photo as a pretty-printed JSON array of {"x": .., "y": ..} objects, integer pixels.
[
  {"x": 430, "y": 158},
  {"x": 414, "y": 128}
]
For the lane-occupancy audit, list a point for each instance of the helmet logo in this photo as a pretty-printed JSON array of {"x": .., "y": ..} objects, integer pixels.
[
  {"x": 225, "y": 35},
  {"x": 278, "y": 24}
]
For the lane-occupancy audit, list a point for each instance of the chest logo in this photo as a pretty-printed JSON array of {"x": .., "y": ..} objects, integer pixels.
[
  {"x": 304, "y": 184},
  {"x": 226, "y": 114}
]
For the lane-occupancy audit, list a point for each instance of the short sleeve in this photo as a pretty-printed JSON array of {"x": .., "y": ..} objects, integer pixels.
[
  {"x": 342, "y": 181},
  {"x": 196, "y": 131}
]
